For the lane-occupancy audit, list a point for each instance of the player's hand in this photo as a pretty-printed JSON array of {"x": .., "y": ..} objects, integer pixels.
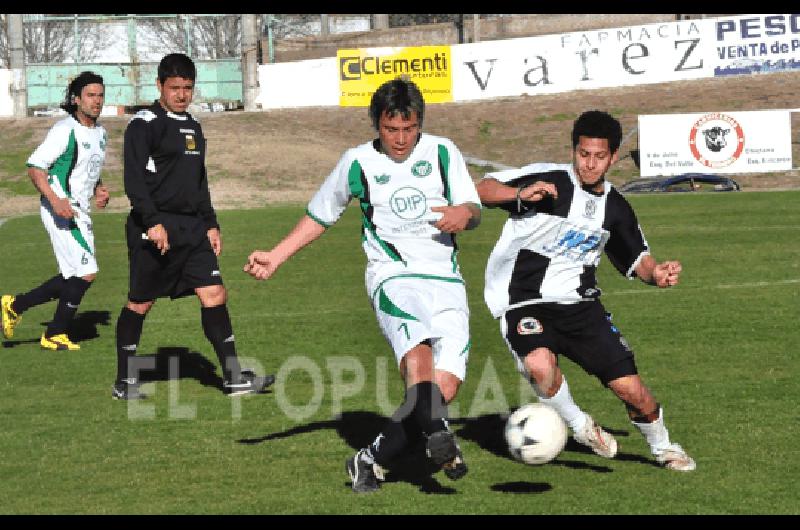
[
  {"x": 101, "y": 196},
  {"x": 666, "y": 274},
  {"x": 62, "y": 208},
  {"x": 158, "y": 235},
  {"x": 261, "y": 264},
  {"x": 538, "y": 191},
  {"x": 454, "y": 218},
  {"x": 215, "y": 238}
]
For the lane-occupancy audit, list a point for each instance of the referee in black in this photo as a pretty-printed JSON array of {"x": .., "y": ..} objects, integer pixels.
[{"x": 172, "y": 231}]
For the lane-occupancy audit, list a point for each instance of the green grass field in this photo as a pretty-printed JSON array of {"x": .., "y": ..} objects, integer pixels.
[{"x": 719, "y": 351}]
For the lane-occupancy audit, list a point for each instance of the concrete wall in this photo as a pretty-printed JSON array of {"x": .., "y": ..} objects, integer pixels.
[{"x": 506, "y": 27}]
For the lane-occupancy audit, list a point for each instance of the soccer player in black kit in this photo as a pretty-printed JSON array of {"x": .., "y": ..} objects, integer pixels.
[{"x": 172, "y": 231}]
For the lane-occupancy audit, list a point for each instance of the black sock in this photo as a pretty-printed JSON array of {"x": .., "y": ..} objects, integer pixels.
[
  {"x": 430, "y": 410},
  {"x": 219, "y": 332},
  {"x": 390, "y": 442},
  {"x": 49, "y": 290},
  {"x": 129, "y": 331},
  {"x": 71, "y": 296}
]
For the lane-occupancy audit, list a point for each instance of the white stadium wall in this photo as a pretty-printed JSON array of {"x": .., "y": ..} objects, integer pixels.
[{"x": 613, "y": 57}]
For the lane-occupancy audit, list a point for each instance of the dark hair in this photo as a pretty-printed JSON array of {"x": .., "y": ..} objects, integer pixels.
[
  {"x": 597, "y": 124},
  {"x": 176, "y": 65},
  {"x": 396, "y": 96},
  {"x": 75, "y": 88}
]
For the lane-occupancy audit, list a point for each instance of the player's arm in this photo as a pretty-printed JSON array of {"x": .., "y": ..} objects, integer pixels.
[
  {"x": 61, "y": 207},
  {"x": 664, "y": 274},
  {"x": 457, "y": 218},
  {"x": 261, "y": 264},
  {"x": 136, "y": 149},
  {"x": 493, "y": 192}
]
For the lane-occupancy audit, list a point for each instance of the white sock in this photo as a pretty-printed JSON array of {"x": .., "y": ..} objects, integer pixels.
[
  {"x": 563, "y": 403},
  {"x": 655, "y": 433}
]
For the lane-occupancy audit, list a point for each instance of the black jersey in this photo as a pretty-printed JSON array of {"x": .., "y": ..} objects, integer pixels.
[
  {"x": 549, "y": 250},
  {"x": 165, "y": 169}
]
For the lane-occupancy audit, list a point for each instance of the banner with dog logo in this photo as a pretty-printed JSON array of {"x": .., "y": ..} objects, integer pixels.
[{"x": 715, "y": 142}]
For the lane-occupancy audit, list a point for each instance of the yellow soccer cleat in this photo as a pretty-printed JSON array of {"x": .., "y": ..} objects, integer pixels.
[
  {"x": 10, "y": 318},
  {"x": 58, "y": 342}
]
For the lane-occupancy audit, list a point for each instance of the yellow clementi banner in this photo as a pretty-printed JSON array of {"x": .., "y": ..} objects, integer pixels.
[{"x": 363, "y": 70}]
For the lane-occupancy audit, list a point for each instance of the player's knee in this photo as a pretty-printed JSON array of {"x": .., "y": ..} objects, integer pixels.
[
  {"x": 213, "y": 295},
  {"x": 140, "y": 308},
  {"x": 541, "y": 365}
]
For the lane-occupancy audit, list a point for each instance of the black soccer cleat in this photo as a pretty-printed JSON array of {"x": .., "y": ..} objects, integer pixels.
[
  {"x": 443, "y": 450},
  {"x": 248, "y": 383},
  {"x": 363, "y": 473},
  {"x": 127, "y": 389}
]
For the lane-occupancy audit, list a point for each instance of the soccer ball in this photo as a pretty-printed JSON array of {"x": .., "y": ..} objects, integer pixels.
[{"x": 535, "y": 434}]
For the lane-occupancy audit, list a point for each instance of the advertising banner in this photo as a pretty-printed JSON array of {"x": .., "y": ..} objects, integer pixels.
[
  {"x": 363, "y": 70},
  {"x": 751, "y": 44},
  {"x": 652, "y": 53},
  {"x": 715, "y": 142}
]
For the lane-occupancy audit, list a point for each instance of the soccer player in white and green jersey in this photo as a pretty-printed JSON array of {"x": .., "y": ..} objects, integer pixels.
[
  {"x": 415, "y": 194},
  {"x": 65, "y": 169}
]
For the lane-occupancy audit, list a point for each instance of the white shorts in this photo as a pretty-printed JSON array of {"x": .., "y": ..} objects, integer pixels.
[
  {"x": 411, "y": 310},
  {"x": 72, "y": 240}
]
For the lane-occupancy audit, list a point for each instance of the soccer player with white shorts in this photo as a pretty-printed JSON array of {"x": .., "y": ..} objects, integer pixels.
[
  {"x": 415, "y": 194},
  {"x": 65, "y": 168}
]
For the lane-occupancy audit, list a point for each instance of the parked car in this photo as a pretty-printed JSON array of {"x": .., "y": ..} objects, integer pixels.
[{"x": 680, "y": 183}]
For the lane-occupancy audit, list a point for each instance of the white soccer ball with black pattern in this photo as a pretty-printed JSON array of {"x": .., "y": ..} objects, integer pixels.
[{"x": 535, "y": 434}]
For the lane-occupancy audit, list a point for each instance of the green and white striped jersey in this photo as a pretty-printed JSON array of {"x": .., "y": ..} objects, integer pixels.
[
  {"x": 72, "y": 154},
  {"x": 395, "y": 199}
]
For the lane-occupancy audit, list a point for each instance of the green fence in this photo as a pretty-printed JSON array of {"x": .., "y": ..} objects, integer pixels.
[{"x": 218, "y": 80}]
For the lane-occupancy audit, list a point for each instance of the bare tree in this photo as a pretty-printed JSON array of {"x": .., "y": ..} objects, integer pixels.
[
  {"x": 5, "y": 54},
  {"x": 209, "y": 37}
]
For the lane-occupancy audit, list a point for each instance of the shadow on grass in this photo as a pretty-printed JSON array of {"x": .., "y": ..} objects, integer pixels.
[{"x": 172, "y": 362}]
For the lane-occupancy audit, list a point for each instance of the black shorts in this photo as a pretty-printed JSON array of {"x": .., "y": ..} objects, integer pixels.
[
  {"x": 581, "y": 332},
  {"x": 189, "y": 263}
]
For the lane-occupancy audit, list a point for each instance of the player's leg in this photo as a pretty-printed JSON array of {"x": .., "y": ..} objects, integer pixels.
[
  {"x": 529, "y": 329},
  {"x": 128, "y": 333},
  {"x": 619, "y": 373},
  {"x": 216, "y": 322},
  {"x": 14, "y": 305},
  {"x": 647, "y": 416},
  {"x": 73, "y": 245}
]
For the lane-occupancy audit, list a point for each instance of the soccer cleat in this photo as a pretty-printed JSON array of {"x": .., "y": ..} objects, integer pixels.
[
  {"x": 675, "y": 458},
  {"x": 10, "y": 318},
  {"x": 592, "y": 435},
  {"x": 58, "y": 342},
  {"x": 248, "y": 383},
  {"x": 442, "y": 448},
  {"x": 127, "y": 389},
  {"x": 363, "y": 473}
]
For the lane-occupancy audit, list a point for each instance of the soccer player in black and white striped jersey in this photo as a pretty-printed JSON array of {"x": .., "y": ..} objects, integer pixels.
[{"x": 541, "y": 284}]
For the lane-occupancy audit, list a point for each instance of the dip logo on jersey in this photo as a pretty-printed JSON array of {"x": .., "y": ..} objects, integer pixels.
[
  {"x": 529, "y": 326},
  {"x": 422, "y": 168},
  {"x": 86, "y": 145},
  {"x": 382, "y": 179},
  {"x": 408, "y": 203},
  {"x": 93, "y": 166},
  {"x": 716, "y": 140},
  {"x": 191, "y": 145}
]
